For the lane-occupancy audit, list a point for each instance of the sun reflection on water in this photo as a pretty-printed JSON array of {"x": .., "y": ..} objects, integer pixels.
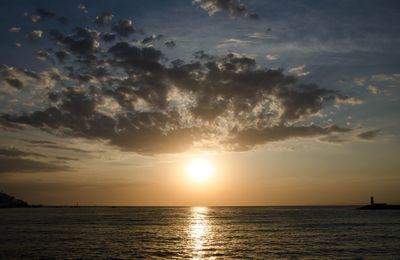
[{"x": 199, "y": 229}]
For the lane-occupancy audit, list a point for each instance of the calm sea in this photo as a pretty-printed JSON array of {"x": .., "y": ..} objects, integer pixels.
[{"x": 199, "y": 232}]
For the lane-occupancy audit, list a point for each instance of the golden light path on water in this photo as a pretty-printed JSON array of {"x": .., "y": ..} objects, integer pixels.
[{"x": 199, "y": 229}]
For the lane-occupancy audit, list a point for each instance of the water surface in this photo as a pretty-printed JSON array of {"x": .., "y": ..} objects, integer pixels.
[{"x": 199, "y": 232}]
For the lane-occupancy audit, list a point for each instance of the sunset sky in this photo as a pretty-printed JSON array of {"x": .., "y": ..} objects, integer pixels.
[{"x": 268, "y": 102}]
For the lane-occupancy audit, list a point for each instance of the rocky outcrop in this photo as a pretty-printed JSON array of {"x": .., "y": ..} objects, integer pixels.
[{"x": 7, "y": 201}]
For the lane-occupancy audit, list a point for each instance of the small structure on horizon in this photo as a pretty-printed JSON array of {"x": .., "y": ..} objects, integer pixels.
[{"x": 378, "y": 206}]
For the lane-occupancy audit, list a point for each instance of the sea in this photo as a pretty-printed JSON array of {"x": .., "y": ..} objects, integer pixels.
[{"x": 199, "y": 233}]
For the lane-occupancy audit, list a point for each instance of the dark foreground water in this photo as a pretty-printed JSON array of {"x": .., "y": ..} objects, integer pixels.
[{"x": 216, "y": 233}]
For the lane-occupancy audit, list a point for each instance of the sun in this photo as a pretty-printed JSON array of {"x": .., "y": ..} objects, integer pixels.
[{"x": 200, "y": 169}]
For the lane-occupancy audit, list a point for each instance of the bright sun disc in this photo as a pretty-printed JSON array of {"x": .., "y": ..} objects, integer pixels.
[{"x": 200, "y": 169}]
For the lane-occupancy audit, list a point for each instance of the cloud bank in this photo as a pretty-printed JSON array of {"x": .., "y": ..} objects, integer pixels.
[{"x": 106, "y": 87}]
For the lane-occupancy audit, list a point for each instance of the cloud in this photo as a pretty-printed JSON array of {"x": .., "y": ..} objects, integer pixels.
[
  {"x": 34, "y": 18},
  {"x": 123, "y": 28},
  {"x": 229, "y": 43},
  {"x": 14, "y": 82},
  {"x": 35, "y": 35},
  {"x": 10, "y": 165},
  {"x": 131, "y": 97},
  {"x": 9, "y": 126},
  {"x": 359, "y": 81},
  {"x": 13, "y": 152},
  {"x": 249, "y": 138},
  {"x": 369, "y": 135},
  {"x": 51, "y": 145},
  {"x": 44, "y": 13},
  {"x": 104, "y": 18},
  {"x": 170, "y": 44},
  {"x": 262, "y": 35},
  {"x": 230, "y": 90},
  {"x": 62, "y": 55},
  {"x": 333, "y": 138},
  {"x": 271, "y": 56},
  {"x": 234, "y": 7},
  {"x": 108, "y": 37},
  {"x": 83, "y": 8},
  {"x": 152, "y": 38},
  {"x": 42, "y": 55},
  {"x": 82, "y": 42},
  {"x": 14, "y": 29},
  {"x": 299, "y": 71},
  {"x": 394, "y": 78},
  {"x": 343, "y": 100},
  {"x": 63, "y": 158},
  {"x": 373, "y": 89}
]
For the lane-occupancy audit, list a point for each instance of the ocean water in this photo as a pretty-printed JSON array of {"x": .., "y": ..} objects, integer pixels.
[{"x": 199, "y": 233}]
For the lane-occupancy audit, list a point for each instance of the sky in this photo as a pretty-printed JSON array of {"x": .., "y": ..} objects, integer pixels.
[{"x": 289, "y": 102}]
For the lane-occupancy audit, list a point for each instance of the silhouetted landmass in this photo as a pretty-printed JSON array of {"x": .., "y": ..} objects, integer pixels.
[
  {"x": 7, "y": 201},
  {"x": 378, "y": 206}
]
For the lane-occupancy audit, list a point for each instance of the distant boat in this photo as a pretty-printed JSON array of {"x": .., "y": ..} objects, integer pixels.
[{"x": 378, "y": 206}]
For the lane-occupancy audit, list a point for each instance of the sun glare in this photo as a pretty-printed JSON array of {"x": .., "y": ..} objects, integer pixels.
[{"x": 200, "y": 169}]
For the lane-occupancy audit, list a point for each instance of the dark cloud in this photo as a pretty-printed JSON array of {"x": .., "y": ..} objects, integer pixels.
[
  {"x": 82, "y": 42},
  {"x": 9, "y": 126},
  {"x": 201, "y": 55},
  {"x": 108, "y": 37},
  {"x": 123, "y": 28},
  {"x": 56, "y": 35},
  {"x": 61, "y": 55},
  {"x": 249, "y": 138},
  {"x": 42, "y": 55},
  {"x": 132, "y": 57},
  {"x": 16, "y": 83},
  {"x": 39, "y": 141},
  {"x": 152, "y": 38},
  {"x": 44, "y": 13},
  {"x": 104, "y": 18},
  {"x": 27, "y": 165},
  {"x": 64, "y": 148},
  {"x": 234, "y": 7},
  {"x": 13, "y": 152},
  {"x": 369, "y": 135},
  {"x": 128, "y": 96},
  {"x": 260, "y": 104},
  {"x": 170, "y": 44},
  {"x": 63, "y": 158}
]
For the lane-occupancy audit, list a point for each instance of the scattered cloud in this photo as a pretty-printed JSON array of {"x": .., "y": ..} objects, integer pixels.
[
  {"x": 10, "y": 165},
  {"x": 170, "y": 44},
  {"x": 373, "y": 89},
  {"x": 15, "y": 29},
  {"x": 395, "y": 78},
  {"x": 271, "y": 56},
  {"x": 359, "y": 81},
  {"x": 35, "y": 35},
  {"x": 234, "y": 7},
  {"x": 299, "y": 71},
  {"x": 104, "y": 18},
  {"x": 341, "y": 100},
  {"x": 124, "y": 28},
  {"x": 369, "y": 135}
]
